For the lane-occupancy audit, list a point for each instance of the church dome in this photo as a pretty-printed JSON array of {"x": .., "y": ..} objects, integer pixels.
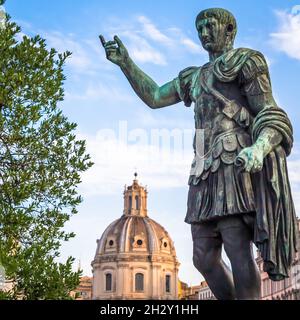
[
  {"x": 135, "y": 234},
  {"x": 141, "y": 246}
]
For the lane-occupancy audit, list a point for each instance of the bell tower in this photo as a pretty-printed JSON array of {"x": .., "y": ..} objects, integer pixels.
[{"x": 135, "y": 199}]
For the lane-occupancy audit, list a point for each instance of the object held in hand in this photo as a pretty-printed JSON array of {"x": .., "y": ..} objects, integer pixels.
[{"x": 240, "y": 162}]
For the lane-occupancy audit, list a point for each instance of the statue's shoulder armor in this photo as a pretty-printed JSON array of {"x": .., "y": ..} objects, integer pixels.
[
  {"x": 187, "y": 73},
  {"x": 254, "y": 66},
  {"x": 185, "y": 82},
  {"x": 242, "y": 63}
]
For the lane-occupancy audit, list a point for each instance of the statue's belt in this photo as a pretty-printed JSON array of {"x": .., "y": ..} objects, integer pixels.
[{"x": 224, "y": 149}]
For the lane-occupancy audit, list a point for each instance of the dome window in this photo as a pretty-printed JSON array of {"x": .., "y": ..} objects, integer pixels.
[
  {"x": 108, "y": 282},
  {"x": 139, "y": 242},
  {"x": 111, "y": 243},
  {"x": 164, "y": 244},
  {"x": 168, "y": 283},
  {"x": 137, "y": 203},
  {"x": 139, "y": 282},
  {"x": 130, "y": 204}
]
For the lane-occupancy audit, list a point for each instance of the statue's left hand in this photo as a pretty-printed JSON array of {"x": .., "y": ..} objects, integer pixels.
[{"x": 252, "y": 159}]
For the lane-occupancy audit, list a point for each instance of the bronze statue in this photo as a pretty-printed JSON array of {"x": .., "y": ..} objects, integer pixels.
[{"x": 239, "y": 189}]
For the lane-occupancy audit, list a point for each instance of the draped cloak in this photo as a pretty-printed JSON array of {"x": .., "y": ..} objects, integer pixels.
[{"x": 275, "y": 232}]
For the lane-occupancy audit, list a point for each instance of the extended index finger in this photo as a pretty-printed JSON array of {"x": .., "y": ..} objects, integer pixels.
[{"x": 102, "y": 40}]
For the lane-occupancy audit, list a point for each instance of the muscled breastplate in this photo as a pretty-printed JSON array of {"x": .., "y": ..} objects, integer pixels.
[{"x": 222, "y": 134}]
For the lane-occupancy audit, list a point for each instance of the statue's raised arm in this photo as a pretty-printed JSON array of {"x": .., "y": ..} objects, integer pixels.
[{"x": 152, "y": 94}]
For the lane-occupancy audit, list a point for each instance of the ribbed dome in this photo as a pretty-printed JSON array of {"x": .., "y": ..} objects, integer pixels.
[
  {"x": 135, "y": 257},
  {"x": 135, "y": 234}
]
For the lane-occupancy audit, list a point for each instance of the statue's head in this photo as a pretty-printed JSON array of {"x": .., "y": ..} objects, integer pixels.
[{"x": 216, "y": 29}]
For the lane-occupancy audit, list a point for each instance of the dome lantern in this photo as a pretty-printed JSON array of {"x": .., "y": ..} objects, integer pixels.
[{"x": 135, "y": 199}]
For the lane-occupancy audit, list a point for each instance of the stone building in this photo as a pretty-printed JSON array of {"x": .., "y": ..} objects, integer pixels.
[
  {"x": 197, "y": 292},
  {"x": 135, "y": 257},
  {"x": 193, "y": 293},
  {"x": 84, "y": 290},
  {"x": 183, "y": 290},
  {"x": 288, "y": 289},
  {"x": 204, "y": 292}
]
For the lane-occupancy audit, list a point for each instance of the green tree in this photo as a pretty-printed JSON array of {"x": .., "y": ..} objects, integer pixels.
[{"x": 40, "y": 166}]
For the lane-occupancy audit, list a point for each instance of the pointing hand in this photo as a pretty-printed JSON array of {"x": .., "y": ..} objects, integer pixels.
[{"x": 115, "y": 50}]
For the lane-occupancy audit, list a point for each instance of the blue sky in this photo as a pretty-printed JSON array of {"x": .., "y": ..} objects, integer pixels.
[{"x": 161, "y": 38}]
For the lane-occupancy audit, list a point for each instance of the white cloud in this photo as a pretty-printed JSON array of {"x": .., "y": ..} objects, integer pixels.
[
  {"x": 191, "y": 45},
  {"x": 146, "y": 43},
  {"x": 88, "y": 56},
  {"x": 141, "y": 51},
  {"x": 153, "y": 32},
  {"x": 117, "y": 155},
  {"x": 287, "y": 37},
  {"x": 185, "y": 42},
  {"x": 61, "y": 42}
]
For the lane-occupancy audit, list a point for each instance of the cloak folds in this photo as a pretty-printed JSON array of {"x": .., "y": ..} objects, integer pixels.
[{"x": 275, "y": 232}]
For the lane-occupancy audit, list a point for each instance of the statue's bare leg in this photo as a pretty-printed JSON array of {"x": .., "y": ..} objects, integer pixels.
[
  {"x": 207, "y": 257},
  {"x": 238, "y": 247}
]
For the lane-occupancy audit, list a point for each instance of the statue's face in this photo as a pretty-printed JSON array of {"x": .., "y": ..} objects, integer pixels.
[{"x": 212, "y": 34}]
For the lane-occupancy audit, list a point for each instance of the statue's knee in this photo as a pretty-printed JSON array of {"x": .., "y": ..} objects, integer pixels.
[
  {"x": 202, "y": 264},
  {"x": 206, "y": 255}
]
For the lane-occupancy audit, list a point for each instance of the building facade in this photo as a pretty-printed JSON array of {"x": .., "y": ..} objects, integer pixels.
[
  {"x": 204, "y": 292},
  {"x": 187, "y": 293},
  {"x": 198, "y": 292},
  {"x": 183, "y": 290},
  {"x": 135, "y": 257},
  {"x": 287, "y": 289},
  {"x": 84, "y": 290}
]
